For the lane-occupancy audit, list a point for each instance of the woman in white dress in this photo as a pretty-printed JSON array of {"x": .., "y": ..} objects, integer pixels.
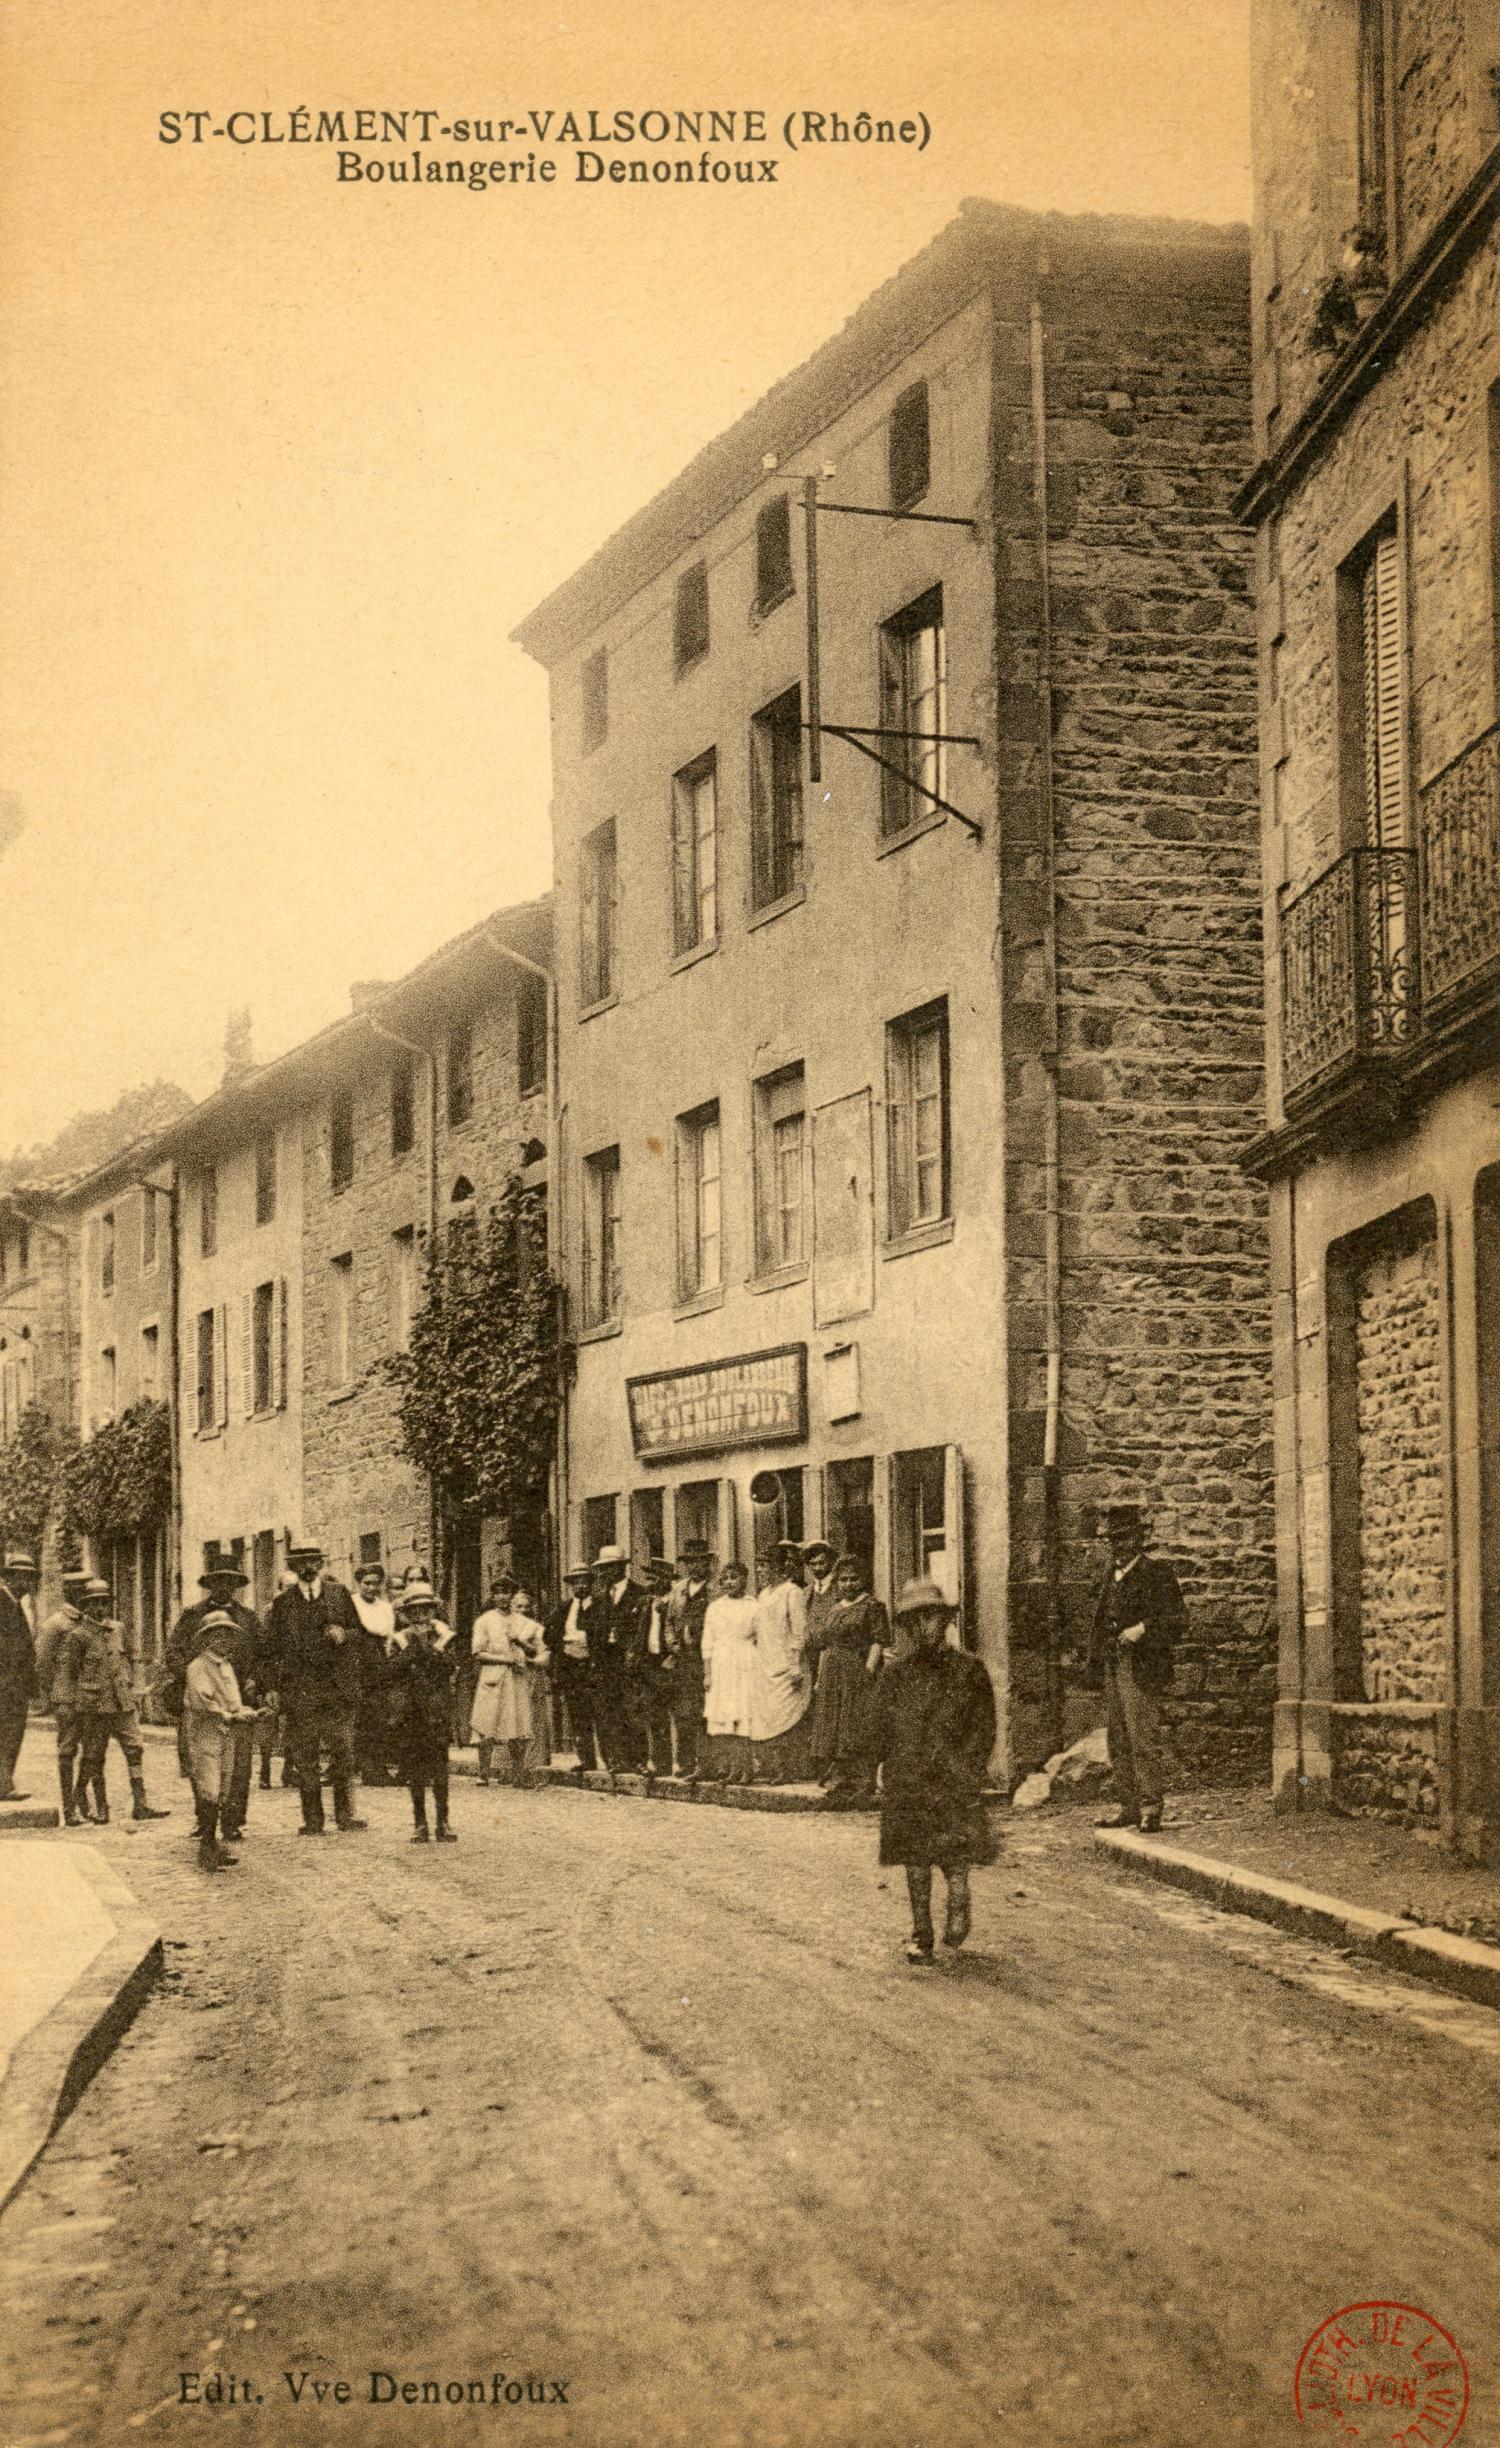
[
  {"x": 504, "y": 1649},
  {"x": 729, "y": 1676}
]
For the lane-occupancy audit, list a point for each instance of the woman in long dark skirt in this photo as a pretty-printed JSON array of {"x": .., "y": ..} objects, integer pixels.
[
  {"x": 855, "y": 1637},
  {"x": 935, "y": 1730}
]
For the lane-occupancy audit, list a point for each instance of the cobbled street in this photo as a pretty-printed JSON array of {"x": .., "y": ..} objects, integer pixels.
[{"x": 643, "y": 2102}]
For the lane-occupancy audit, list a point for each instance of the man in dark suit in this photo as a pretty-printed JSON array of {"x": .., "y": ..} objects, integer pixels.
[
  {"x": 615, "y": 1621},
  {"x": 245, "y": 1648},
  {"x": 572, "y": 1675},
  {"x": 650, "y": 1692},
  {"x": 18, "y": 1678},
  {"x": 688, "y": 1605},
  {"x": 314, "y": 1644},
  {"x": 1137, "y": 1623}
]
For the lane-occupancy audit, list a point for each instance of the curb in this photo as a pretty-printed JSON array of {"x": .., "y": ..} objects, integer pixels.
[
  {"x": 1460, "y": 1965},
  {"x": 54, "y": 2064},
  {"x": 634, "y": 1786}
]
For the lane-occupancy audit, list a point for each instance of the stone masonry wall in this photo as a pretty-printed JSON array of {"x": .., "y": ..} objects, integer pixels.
[
  {"x": 1386, "y": 1768},
  {"x": 1402, "y": 1525},
  {"x": 357, "y": 1479},
  {"x": 1165, "y": 1302}
]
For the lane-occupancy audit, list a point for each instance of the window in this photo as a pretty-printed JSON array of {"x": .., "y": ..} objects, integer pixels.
[
  {"x": 909, "y": 447},
  {"x": 341, "y": 1320},
  {"x": 780, "y": 1169},
  {"x": 460, "y": 1072},
  {"x": 531, "y": 1035},
  {"x": 599, "y": 1514},
  {"x": 601, "y": 1237},
  {"x": 927, "y": 1507},
  {"x": 403, "y": 1105},
  {"x": 776, "y": 801},
  {"x": 690, "y": 623},
  {"x": 773, "y": 553},
  {"x": 595, "y": 716},
  {"x": 107, "y": 1252},
  {"x": 150, "y": 1363},
  {"x": 265, "y": 1177},
  {"x": 263, "y": 1348},
  {"x": 208, "y": 1212},
  {"x": 148, "y": 1231},
  {"x": 700, "y": 1256},
  {"x": 697, "y": 1512},
  {"x": 1375, "y": 688},
  {"x": 648, "y": 1535},
  {"x": 849, "y": 1510},
  {"x": 341, "y": 1140},
  {"x": 208, "y": 1373},
  {"x": 695, "y": 855},
  {"x": 597, "y": 916},
  {"x": 917, "y": 1117},
  {"x": 913, "y": 692},
  {"x": 403, "y": 1286},
  {"x": 107, "y": 1387}
]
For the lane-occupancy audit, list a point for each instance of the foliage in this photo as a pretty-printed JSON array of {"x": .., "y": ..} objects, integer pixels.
[
  {"x": 119, "y": 1482},
  {"x": 31, "y": 1464},
  {"x": 91, "y": 1139},
  {"x": 479, "y": 1385}
]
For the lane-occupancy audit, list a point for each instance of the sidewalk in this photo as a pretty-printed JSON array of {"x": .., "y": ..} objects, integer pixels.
[
  {"x": 80, "y": 1959},
  {"x": 1386, "y": 1892}
]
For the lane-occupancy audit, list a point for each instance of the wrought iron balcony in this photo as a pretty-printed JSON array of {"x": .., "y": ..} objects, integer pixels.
[
  {"x": 1348, "y": 971},
  {"x": 1460, "y": 843}
]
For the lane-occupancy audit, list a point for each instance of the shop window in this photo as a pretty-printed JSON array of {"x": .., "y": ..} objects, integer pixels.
[
  {"x": 700, "y": 1250},
  {"x": 849, "y": 1510},
  {"x": 690, "y": 625},
  {"x": 341, "y": 1140},
  {"x": 601, "y": 1237},
  {"x": 265, "y": 1177},
  {"x": 917, "y": 1118},
  {"x": 909, "y": 447},
  {"x": 648, "y": 1535},
  {"x": 780, "y": 1104},
  {"x": 773, "y": 553},
  {"x": 403, "y": 1105},
  {"x": 599, "y": 1517},
  {"x": 913, "y": 702},
  {"x": 776, "y": 801},
  {"x": 698, "y": 1516},
  {"x": 594, "y": 725},
  {"x": 597, "y": 916},
  {"x": 695, "y": 855}
]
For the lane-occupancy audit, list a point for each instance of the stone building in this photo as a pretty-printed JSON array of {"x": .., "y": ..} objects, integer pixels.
[
  {"x": 903, "y": 1091},
  {"x": 39, "y": 1348},
  {"x": 1376, "y": 507},
  {"x": 428, "y": 1103}
]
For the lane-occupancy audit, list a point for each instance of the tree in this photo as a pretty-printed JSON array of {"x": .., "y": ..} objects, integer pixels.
[
  {"x": 479, "y": 1387},
  {"x": 118, "y": 1484},
  {"x": 31, "y": 1468}
]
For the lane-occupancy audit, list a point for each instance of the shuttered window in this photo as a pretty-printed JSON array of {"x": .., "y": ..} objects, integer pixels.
[
  {"x": 699, "y": 1205},
  {"x": 776, "y": 801},
  {"x": 1383, "y": 694},
  {"x": 597, "y": 916},
  {"x": 913, "y": 694},
  {"x": 695, "y": 855},
  {"x": 773, "y": 553},
  {"x": 690, "y": 626}
]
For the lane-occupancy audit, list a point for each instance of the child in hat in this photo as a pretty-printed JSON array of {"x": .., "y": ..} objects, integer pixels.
[
  {"x": 211, "y": 1708},
  {"x": 421, "y": 1682}
]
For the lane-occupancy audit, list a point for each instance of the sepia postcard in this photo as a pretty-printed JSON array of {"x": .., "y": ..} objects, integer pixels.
[{"x": 750, "y": 1224}]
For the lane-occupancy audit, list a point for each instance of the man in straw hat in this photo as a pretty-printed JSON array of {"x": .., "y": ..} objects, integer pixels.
[
  {"x": 1137, "y": 1623},
  {"x": 568, "y": 1644},
  {"x": 314, "y": 1635},
  {"x": 17, "y": 1664},
  {"x": 221, "y": 1580},
  {"x": 934, "y": 1732}
]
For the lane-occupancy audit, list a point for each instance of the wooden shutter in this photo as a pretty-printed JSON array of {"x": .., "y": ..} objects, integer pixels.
[
  {"x": 952, "y": 1579},
  {"x": 247, "y": 1354},
  {"x": 1384, "y": 696},
  {"x": 221, "y": 1365},
  {"x": 684, "y": 866},
  {"x": 278, "y": 1346},
  {"x": 884, "y": 1575}
]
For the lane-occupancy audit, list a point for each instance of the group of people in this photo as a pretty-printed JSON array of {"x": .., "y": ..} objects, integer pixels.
[{"x": 683, "y": 1673}]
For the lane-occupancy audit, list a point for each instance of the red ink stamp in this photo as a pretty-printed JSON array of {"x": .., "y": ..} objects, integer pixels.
[{"x": 1386, "y": 2373}]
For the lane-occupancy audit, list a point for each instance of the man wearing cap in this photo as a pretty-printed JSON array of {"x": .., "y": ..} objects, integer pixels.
[
  {"x": 934, "y": 1732},
  {"x": 690, "y": 1602},
  {"x": 1137, "y": 1623},
  {"x": 17, "y": 1665},
  {"x": 244, "y": 1645},
  {"x": 57, "y": 1631},
  {"x": 314, "y": 1636},
  {"x": 568, "y": 1643},
  {"x": 650, "y": 1690},
  {"x": 95, "y": 1681},
  {"x": 614, "y": 1637}
]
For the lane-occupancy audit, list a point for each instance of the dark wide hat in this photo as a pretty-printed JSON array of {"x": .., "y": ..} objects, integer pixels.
[{"x": 222, "y": 1568}]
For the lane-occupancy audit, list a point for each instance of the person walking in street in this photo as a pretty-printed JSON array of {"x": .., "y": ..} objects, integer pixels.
[
  {"x": 614, "y": 1635},
  {"x": 781, "y": 1696},
  {"x": 857, "y": 1635},
  {"x": 96, "y": 1680},
  {"x": 1138, "y": 1621},
  {"x": 377, "y": 1624},
  {"x": 651, "y": 1674},
  {"x": 215, "y": 1729},
  {"x": 569, "y": 1644},
  {"x": 316, "y": 1666},
  {"x": 507, "y": 1645},
  {"x": 419, "y": 1680},
  {"x": 934, "y": 1731},
  {"x": 686, "y": 1611},
  {"x": 729, "y": 1676},
  {"x": 220, "y": 1580},
  {"x": 18, "y": 1676}
]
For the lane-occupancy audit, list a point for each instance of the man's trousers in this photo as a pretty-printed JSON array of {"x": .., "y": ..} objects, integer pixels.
[
  {"x": 1133, "y": 1730},
  {"x": 315, "y": 1729}
]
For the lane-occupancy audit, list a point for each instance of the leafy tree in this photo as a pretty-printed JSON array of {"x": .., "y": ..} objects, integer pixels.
[
  {"x": 479, "y": 1387},
  {"x": 31, "y": 1468},
  {"x": 119, "y": 1482}
]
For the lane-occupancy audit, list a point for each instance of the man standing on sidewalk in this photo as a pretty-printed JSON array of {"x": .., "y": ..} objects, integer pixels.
[
  {"x": 244, "y": 1647},
  {"x": 568, "y": 1644},
  {"x": 1137, "y": 1623},
  {"x": 314, "y": 1636},
  {"x": 96, "y": 1681},
  {"x": 17, "y": 1667}
]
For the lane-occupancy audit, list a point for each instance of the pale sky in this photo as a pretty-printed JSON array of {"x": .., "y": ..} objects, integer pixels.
[{"x": 283, "y": 461}]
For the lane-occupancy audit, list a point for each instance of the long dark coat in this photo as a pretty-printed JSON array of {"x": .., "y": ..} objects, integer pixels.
[
  {"x": 935, "y": 1730},
  {"x": 1147, "y": 1593},
  {"x": 420, "y": 1689},
  {"x": 311, "y": 1671}
]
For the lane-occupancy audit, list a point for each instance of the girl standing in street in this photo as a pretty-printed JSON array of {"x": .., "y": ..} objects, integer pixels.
[{"x": 856, "y": 1636}]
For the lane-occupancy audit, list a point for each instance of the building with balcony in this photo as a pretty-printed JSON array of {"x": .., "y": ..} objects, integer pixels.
[
  {"x": 908, "y": 965},
  {"x": 1376, "y": 506}
]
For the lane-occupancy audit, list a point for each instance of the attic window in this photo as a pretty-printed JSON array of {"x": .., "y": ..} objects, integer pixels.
[
  {"x": 910, "y": 447},
  {"x": 773, "y": 553}
]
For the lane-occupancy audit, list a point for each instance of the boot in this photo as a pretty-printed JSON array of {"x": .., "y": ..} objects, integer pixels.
[
  {"x": 486, "y": 1754},
  {"x": 71, "y": 1815},
  {"x": 208, "y": 1848},
  {"x": 101, "y": 1801},
  {"x": 960, "y": 1914},
  {"x": 141, "y": 1808},
  {"x": 445, "y": 1834}
]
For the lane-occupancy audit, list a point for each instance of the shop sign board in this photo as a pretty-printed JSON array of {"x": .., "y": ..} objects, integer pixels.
[{"x": 758, "y": 1399}]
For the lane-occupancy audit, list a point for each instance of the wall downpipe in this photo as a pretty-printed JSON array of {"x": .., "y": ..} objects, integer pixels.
[{"x": 1048, "y": 1052}]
